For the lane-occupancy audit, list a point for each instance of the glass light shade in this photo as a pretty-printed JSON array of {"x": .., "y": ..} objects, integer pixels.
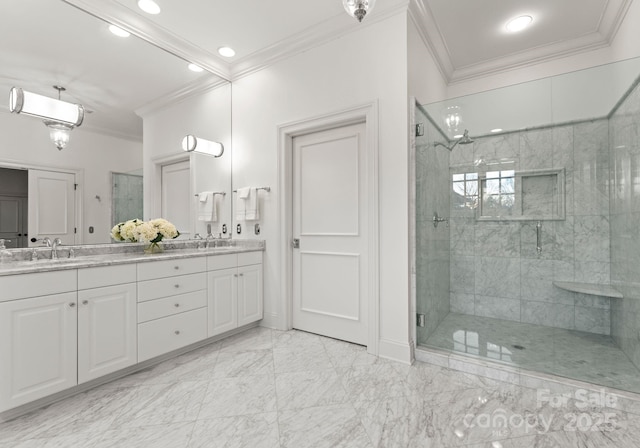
[
  {"x": 23, "y": 102},
  {"x": 59, "y": 133},
  {"x": 192, "y": 143},
  {"x": 358, "y": 8},
  {"x": 452, "y": 118},
  {"x": 149, "y": 6}
]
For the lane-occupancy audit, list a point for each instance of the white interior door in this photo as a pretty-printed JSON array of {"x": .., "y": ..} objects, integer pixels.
[
  {"x": 52, "y": 206},
  {"x": 176, "y": 200},
  {"x": 13, "y": 221},
  {"x": 330, "y": 267}
]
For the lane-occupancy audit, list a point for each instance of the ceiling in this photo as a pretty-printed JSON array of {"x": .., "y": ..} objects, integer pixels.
[{"x": 114, "y": 77}]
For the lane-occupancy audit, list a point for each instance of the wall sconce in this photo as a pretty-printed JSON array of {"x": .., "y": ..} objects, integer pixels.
[
  {"x": 192, "y": 143},
  {"x": 59, "y": 116}
]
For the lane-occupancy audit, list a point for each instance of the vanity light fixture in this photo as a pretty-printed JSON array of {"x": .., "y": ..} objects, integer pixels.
[
  {"x": 192, "y": 143},
  {"x": 358, "y": 8},
  {"x": 149, "y": 6},
  {"x": 119, "y": 31},
  {"x": 195, "y": 68},
  {"x": 519, "y": 23},
  {"x": 59, "y": 116},
  {"x": 227, "y": 52}
]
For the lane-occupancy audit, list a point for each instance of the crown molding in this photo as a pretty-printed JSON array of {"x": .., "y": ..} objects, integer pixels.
[
  {"x": 197, "y": 87},
  {"x": 110, "y": 132},
  {"x": 421, "y": 15},
  {"x": 123, "y": 17},
  {"x": 333, "y": 28}
]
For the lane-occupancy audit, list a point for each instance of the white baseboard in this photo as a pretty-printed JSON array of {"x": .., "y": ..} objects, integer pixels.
[{"x": 396, "y": 351}]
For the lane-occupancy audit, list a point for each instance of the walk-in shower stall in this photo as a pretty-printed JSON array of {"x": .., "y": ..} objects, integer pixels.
[{"x": 527, "y": 227}]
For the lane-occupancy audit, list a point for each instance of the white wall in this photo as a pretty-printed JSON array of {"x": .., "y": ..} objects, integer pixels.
[
  {"x": 206, "y": 115},
  {"x": 26, "y": 140},
  {"x": 364, "y": 66}
]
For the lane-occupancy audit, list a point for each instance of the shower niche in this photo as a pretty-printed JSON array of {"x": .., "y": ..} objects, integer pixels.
[{"x": 506, "y": 194}]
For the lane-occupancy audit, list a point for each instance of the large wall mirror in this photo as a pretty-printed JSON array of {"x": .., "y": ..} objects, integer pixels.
[{"x": 140, "y": 101}]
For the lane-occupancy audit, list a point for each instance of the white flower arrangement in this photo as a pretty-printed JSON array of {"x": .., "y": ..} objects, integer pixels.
[{"x": 136, "y": 230}]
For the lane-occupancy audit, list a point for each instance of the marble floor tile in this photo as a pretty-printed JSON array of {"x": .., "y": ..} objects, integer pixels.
[
  {"x": 574, "y": 354},
  {"x": 322, "y": 427},
  {"x": 292, "y": 389},
  {"x": 297, "y": 390},
  {"x": 252, "y": 362},
  {"x": 243, "y": 431},
  {"x": 226, "y": 397}
]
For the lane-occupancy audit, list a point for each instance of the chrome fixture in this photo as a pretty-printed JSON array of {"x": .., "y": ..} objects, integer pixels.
[
  {"x": 358, "y": 8},
  {"x": 437, "y": 219},
  {"x": 464, "y": 140},
  {"x": 59, "y": 116},
  {"x": 539, "y": 237},
  {"x": 54, "y": 248},
  {"x": 419, "y": 129},
  {"x": 192, "y": 143}
]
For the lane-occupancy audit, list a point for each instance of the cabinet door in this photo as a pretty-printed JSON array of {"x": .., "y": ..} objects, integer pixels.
[
  {"x": 37, "y": 348},
  {"x": 249, "y": 294},
  {"x": 107, "y": 330},
  {"x": 223, "y": 310}
]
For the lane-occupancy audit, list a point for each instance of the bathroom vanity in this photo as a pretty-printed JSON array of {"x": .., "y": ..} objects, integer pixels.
[{"x": 87, "y": 320}]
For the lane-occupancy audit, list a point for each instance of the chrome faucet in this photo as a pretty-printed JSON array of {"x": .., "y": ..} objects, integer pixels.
[
  {"x": 54, "y": 248},
  {"x": 46, "y": 241},
  {"x": 198, "y": 238}
]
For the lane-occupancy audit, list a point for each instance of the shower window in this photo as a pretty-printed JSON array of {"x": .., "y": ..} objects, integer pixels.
[
  {"x": 498, "y": 190},
  {"x": 465, "y": 188}
]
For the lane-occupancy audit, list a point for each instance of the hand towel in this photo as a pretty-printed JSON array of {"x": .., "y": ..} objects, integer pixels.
[
  {"x": 251, "y": 206},
  {"x": 247, "y": 204},
  {"x": 207, "y": 210}
]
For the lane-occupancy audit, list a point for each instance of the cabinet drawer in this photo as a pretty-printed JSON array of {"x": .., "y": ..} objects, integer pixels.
[
  {"x": 163, "y": 335},
  {"x": 156, "y": 309},
  {"x": 20, "y": 286},
  {"x": 170, "y": 268},
  {"x": 171, "y": 286},
  {"x": 247, "y": 258},
  {"x": 215, "y": 262},
  {"x": 106, "y": 276}
]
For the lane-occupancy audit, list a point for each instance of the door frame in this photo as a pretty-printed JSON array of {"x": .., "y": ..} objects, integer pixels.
[
  {"x": 79, "y": 196},
  {"x": 367, "y": 114},
  {"x": 155, "y": 208}
]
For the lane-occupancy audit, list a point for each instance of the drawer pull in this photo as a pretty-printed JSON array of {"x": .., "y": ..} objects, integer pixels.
[
  {"x": 177, "y": 305},
  {"x": 176, "y": 285},
  {"x": 176, "y": 267},
  {"x": 72, "y": 304},
  {"x": 85, "y": 302},
  {"x": 177, "y": 332},
  {"x": 235, "y": 275}
]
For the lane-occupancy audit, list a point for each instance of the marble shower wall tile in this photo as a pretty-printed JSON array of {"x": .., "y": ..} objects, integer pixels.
[
  {"x": 498, "y": 277},
  {"x": 593, "y": 320},
  {"x": 497, "y": 307},
  {"x": 548, "y": 314}
]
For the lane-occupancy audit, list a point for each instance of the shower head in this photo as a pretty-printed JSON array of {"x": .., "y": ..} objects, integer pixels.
[{"x": 464, "y": 140}]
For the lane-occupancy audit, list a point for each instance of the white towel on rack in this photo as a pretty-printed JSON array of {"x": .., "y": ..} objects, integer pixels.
[
  {"x": 247, "y": 204},
  {"x": 207, "y": 210}
]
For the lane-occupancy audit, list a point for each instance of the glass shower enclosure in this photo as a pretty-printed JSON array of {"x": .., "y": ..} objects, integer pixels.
[{"x": 526, "y": 242}]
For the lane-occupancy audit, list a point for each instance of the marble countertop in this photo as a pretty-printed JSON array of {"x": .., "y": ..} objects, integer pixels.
[{"x": 107, "y": 255}]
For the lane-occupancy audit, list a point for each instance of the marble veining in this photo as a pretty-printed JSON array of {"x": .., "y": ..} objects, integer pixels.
[{"x": 352, "y": 400}]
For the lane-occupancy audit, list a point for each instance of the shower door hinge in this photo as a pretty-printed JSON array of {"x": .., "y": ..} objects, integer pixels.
[
  {"x": 419, "y": 129},
  {"x": 421, "y": 320}
]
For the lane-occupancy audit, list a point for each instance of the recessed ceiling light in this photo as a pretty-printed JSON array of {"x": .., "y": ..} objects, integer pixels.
[
  {"x": 226, "y": 52},
  {"x": 149, "y": 6},
  {"x": 496, "y": 130},
  {"x": 119, "y": 31},
  {"x": 195, "y": 68},
  {"x": 519, "y": 23}
]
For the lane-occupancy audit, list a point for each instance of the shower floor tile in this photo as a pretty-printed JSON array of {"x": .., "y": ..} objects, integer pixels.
[{"x": 574, "y": 354}]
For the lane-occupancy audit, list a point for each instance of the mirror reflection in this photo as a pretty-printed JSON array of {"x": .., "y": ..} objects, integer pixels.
[{"x": 128, "y": 89}]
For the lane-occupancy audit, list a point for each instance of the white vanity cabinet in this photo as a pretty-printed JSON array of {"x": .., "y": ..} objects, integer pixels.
[
  {"x": 235, "y": 290},
  {"x": 38, "y": 324},
  {"x": 107, "y": 324},
  {"x": 172, "y": 305}
]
